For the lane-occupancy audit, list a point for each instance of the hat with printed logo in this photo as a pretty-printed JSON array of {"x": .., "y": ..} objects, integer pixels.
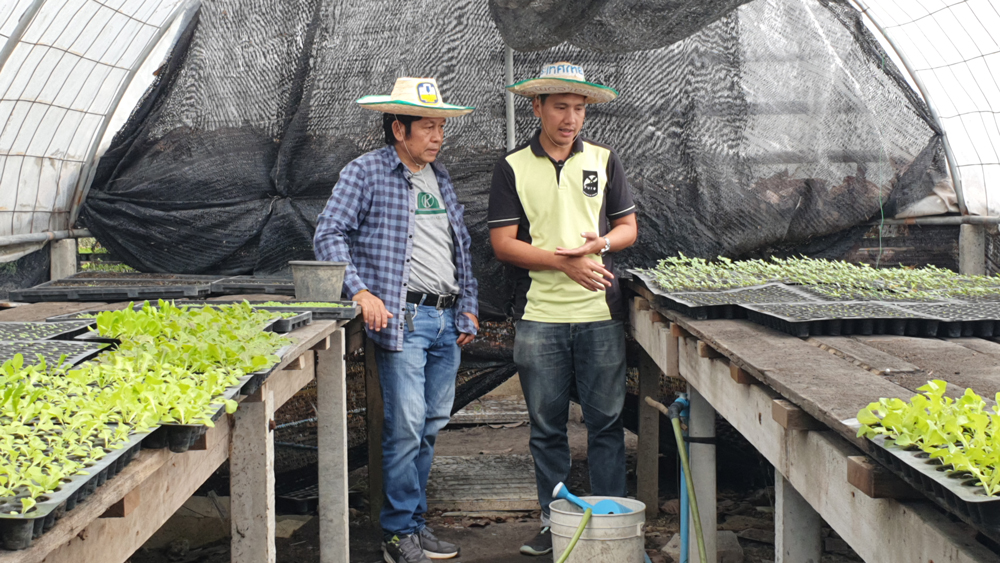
[
  {"x": 414, "y": 96},
  {"x": 563, "y": 78}
]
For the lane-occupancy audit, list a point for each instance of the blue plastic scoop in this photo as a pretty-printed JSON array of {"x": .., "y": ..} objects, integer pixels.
[{"x": 606, "y": 506}]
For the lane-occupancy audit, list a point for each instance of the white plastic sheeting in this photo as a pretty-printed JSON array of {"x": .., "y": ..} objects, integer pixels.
[
  {"x": 953, "y": 49},
  {"x": 65, "y": 67}
]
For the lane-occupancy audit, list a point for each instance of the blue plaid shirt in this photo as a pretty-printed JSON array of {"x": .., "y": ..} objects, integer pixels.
[{"x": 368, "y": 222}]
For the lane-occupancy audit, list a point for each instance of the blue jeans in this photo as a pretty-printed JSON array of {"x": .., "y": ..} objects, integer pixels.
[
  {"x": 549, "y": 358},
  {"x": 418, "y": 389}
]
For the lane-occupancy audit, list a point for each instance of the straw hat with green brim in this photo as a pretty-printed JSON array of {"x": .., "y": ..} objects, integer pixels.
[
  {"x": 563, "y": 78},
  {"x": 414, "y": 96}
]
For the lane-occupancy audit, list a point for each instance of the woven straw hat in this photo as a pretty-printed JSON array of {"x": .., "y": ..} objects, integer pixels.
[
  {"x": 563, "y": 78},
  {"x": 414, "y": 96}
]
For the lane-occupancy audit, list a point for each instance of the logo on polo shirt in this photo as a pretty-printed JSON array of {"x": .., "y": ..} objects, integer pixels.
[
  {"x": 427, "y": 93},
  {"x": 427, "y": 204},
  {"x": 589, "y": 183}
]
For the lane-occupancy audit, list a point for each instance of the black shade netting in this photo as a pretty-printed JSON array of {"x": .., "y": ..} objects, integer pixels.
[
  {"x": 27, "y": 271},
  {"x": 769, "y": 123}
]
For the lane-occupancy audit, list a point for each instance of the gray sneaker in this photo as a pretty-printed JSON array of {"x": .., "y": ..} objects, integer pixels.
[
  {"x": 403, "y": 549},
  {"x": 435, "y": 548}
]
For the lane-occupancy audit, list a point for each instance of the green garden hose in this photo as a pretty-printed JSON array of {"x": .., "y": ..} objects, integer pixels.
[
  {"x": 576, "y": 536},
  {"x": 676, "y": 423}
]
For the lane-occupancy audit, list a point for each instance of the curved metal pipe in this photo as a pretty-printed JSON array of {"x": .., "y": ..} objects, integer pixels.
[
  {"x": 956, "y": 177},
  {"x": 22, "y": 25}
]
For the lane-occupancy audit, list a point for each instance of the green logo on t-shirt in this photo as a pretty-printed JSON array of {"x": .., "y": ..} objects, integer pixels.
[{"x": 427, "y": 204}]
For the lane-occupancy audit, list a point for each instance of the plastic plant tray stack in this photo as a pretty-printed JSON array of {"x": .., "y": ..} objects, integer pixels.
[
  {"x": 117, "y": 289},
  {"x": 239, "y": 285}
]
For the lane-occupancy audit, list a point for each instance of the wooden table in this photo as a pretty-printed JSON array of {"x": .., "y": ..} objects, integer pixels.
[
  {"x": 123, "y": 513},
  {"x": 790, "y": 398}
]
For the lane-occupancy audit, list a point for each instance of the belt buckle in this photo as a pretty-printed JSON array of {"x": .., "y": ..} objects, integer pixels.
[{"x": 445, "y": 302}]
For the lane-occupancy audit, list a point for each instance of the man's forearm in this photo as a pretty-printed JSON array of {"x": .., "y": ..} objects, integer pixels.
[
  {"x": 622, "y": 236},
  {"x": 524, "y": 255}
]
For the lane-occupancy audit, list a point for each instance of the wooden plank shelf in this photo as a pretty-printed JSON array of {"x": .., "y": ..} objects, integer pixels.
[{"x": 791, "y": 400}]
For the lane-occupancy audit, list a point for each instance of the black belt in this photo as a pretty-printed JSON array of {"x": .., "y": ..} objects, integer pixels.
[{"x": 431, "y": 300}]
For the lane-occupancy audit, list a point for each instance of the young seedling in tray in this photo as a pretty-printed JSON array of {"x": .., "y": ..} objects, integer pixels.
[
  {"x": 945, "y": 446},
  {"x": 40, "y": 331}
]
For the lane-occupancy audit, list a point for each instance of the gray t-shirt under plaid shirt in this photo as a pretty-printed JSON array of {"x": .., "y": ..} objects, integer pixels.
[{"x": 432, "y": 269}]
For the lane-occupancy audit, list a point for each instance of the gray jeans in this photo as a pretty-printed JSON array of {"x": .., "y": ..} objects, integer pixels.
[{"x": 550, "y": 357}]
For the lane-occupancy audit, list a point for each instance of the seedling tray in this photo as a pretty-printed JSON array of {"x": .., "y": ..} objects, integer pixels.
[
  {"x": 954, "y": 491},
  {"x": 180, "y": 437},
  {"x": 299, "y": 501},
  {"x": 257, "y": 378},
  {"x": 288, "y": 324},
  {"x": 238, "y": 285},
  {"x": 96, "y": 289},
  {"x": 344, "y": 310},
  {"x": 961, "y": 319},
  {"x": 79, "y": 316},
  {"x": 17, "y": 531},
  {"x": 842, "y": 318},
  {"x": 143, "y": 277},
  {"x": 51, "y": 350},
  {"x": 726, "y": 304},
  {"x": 41, "y": 331}
]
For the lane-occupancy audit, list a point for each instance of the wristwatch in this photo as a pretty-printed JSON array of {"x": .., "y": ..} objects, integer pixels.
[{"x": 607, "y": 246}]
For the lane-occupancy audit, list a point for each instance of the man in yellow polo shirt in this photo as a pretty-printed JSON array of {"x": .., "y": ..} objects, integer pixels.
[{"x": 559, "y": 205}]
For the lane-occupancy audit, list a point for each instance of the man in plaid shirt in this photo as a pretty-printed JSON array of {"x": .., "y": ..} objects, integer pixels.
[{"x": 394, "y": 219}]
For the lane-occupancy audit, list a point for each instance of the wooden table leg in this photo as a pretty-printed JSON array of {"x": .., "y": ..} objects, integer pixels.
[
  {"x": 251, "y": 481},
  {"x": 375, "y": 416},
  {"x": 331, "y": 395}
]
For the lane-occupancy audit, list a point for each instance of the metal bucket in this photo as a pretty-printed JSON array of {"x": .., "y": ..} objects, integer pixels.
[
  {"x": 318, "y": 281},
  {"x": 608, "y": 538}
]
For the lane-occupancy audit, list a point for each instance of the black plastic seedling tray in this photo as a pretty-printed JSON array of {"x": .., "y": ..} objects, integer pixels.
[
  {"x": 288, "y": 324},
  {"x": 41, "y": 331},
  {"x": 727, "y": 304},
  {"x": 180, "y": 437},
  {"x": 961, "y": 319},
  {"x": 17, "y": 532},
  {"x": 142, "y": 277},
  {"x": 51, "y": 350},
  {"x": 842, "y": 318},
  {"x": 299, "y": 501},
  {"x": 346, "y": 310},
  {"x": 79, "y": 316},
  {"x": 95, "y": 289},
  {"x": 239, "y": 285},
  {"x": 257, "y": 378},
  {"x": 954, "y": 491}
]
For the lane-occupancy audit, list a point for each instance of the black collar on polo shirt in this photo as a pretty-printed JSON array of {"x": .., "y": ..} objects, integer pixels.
[{"x": 536, "y": 146}]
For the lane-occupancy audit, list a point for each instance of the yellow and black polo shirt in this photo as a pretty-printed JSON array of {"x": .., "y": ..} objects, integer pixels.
[{"x": 552, "y": 203}]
